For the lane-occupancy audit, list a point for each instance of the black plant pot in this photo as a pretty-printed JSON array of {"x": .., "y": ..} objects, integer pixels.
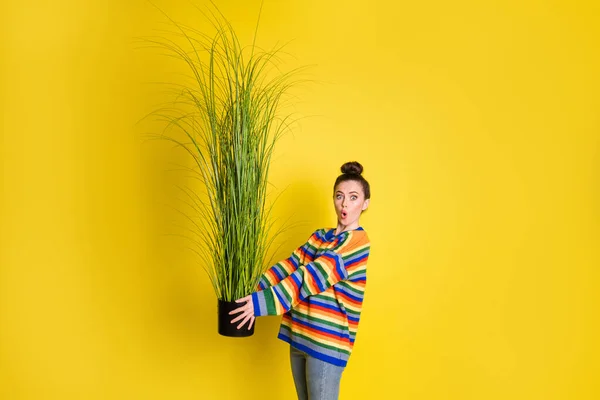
[{"x": 226, "y": 328}]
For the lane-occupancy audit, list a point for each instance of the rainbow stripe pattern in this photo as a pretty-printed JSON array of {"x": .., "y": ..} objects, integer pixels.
[{"x": 319, "y": 290}]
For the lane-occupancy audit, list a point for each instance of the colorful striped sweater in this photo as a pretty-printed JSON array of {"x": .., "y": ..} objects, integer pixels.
[{"x": 319, "y": 290}]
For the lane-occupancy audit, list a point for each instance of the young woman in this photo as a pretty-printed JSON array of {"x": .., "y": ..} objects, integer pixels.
[{"x": 319, "y": 290}]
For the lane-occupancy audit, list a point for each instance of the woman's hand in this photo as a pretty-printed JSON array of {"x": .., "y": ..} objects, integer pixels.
[{"x": 247, "y": 312}]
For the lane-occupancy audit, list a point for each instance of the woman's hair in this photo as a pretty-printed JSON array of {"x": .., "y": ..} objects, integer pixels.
[{"x": 352, "y": 171}]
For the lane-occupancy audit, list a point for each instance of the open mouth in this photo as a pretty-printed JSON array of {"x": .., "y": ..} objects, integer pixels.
[{"x": 344, "y": 214}]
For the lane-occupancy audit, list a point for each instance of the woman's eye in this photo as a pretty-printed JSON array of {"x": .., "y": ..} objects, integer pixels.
[{"x": 353, "y": 197}]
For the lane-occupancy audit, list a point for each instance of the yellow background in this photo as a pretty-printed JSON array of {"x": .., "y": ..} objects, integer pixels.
[{"x": 478, "y": 126}]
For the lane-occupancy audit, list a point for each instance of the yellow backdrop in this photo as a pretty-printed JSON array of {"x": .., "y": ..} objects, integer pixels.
[{"x": 477, "y": 124}]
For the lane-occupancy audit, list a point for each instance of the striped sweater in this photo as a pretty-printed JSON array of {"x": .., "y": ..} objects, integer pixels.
[{"x": 319, "y": 290}]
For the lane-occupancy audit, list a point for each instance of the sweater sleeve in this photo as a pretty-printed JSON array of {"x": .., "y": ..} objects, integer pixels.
[
  {"x": 315, "y": 277},
  {"x": 284, "y": 268}
]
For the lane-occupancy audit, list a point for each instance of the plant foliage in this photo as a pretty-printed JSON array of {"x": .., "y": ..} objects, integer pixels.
[{"x": 230, "y": 120}]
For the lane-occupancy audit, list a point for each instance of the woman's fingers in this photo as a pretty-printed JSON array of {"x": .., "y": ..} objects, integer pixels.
[
  {"x": 243, "y": 315},
  {"x": 246, "y": 312},
  {"x": 248, "y": 318},
  {"x": 241, "y": 308},
  {"x": 237, "y": 310}
]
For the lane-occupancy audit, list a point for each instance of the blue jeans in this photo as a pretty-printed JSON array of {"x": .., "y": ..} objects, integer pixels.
[{"x": 314, "y": 379}]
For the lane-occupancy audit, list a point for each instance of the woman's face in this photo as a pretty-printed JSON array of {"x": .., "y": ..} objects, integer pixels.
[{"x": 350, "y": 202}]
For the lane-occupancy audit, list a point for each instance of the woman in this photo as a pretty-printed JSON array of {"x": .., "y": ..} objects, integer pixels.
[{"x": 319, "y": 290}]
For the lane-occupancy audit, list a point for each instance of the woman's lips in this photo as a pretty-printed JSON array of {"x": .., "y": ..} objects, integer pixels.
[{"x": 344, "y": 214}]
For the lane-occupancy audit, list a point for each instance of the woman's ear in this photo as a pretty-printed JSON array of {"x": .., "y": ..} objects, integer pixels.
[{"x": 365, "y": 204}]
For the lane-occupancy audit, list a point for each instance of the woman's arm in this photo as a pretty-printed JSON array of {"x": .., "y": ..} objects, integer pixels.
[
  {"x": 348, "y": 258},
  {"x": 285, "y": 268},
  {"x": 315, "y": 277}
]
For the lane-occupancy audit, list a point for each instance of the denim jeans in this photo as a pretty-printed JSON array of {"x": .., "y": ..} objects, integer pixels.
[{"x": 314, "y": 379}]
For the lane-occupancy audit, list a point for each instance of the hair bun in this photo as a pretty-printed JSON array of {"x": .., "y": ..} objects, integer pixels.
[{"x": 352, "y": 168}]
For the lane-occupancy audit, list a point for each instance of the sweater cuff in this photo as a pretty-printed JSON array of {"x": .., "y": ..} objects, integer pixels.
[{"x": 264, "y": 303}]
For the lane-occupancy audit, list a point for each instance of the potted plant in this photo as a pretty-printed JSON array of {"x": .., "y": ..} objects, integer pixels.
[{"x": 229, "y": 121}]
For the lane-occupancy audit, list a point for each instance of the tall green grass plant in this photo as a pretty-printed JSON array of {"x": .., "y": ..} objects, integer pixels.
[{"x": 228, "y": 120}]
